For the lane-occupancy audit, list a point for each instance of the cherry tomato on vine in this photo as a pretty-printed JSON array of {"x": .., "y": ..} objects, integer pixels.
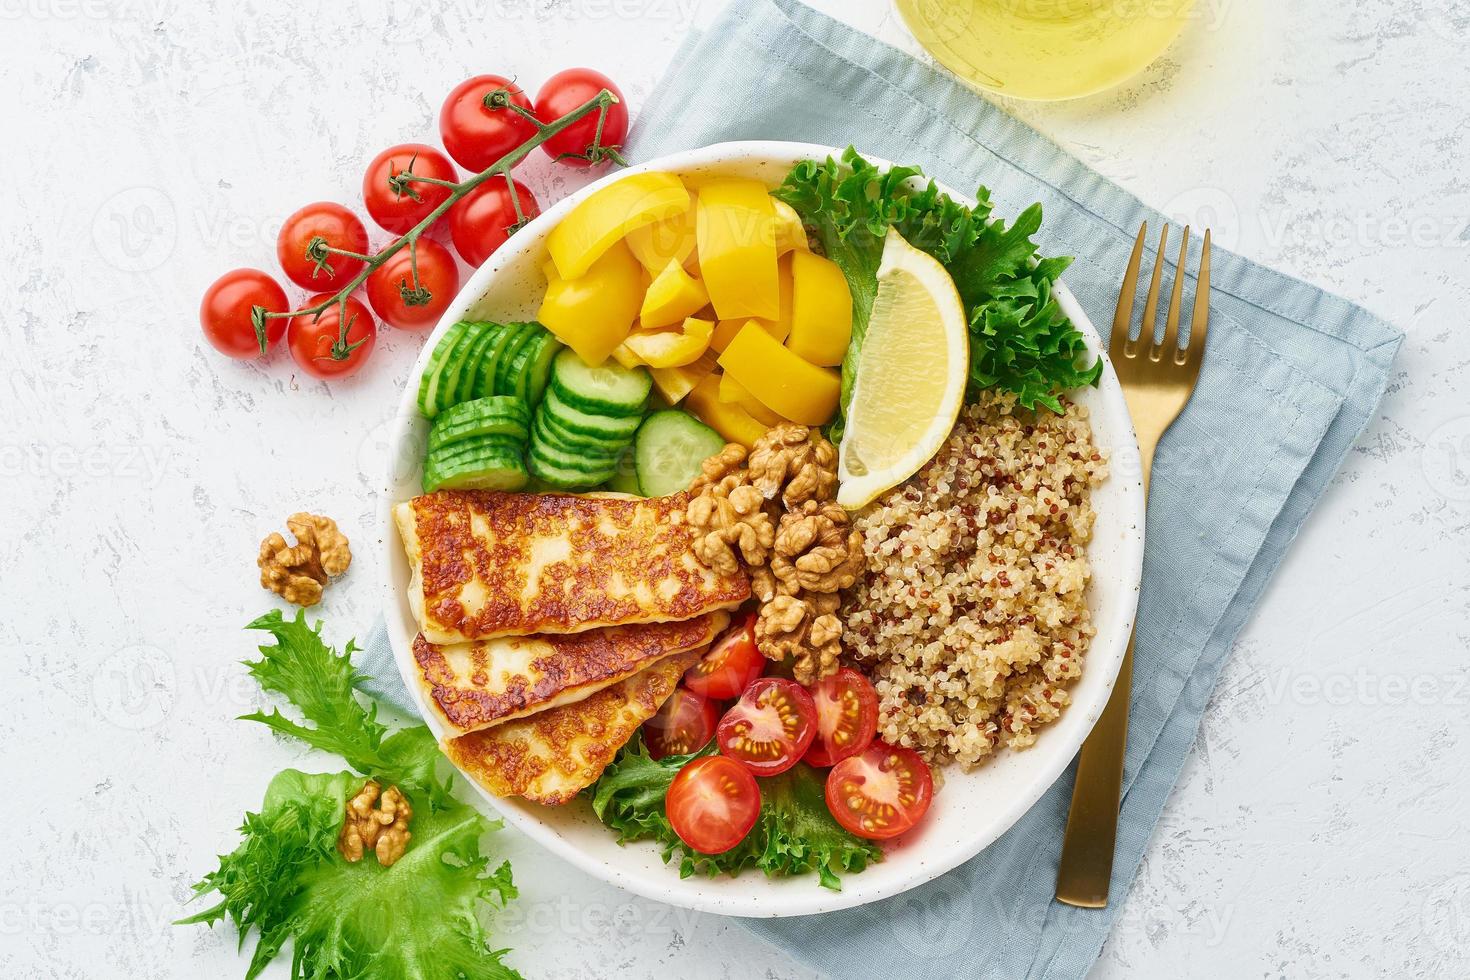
[
  {"x": 477, "y": 132},
  {"x": 730, "y": 665},
  {"x": 316, "y": 343},
  {"x": 338, "y": 228},
  {"x": 480, "y": 222},
  {"x": 575, "y": 146},
  {"x": 224, "y": 313},
  {"x": 684, "y": 724},
  {"x": 770, "y": 728},
  {"x": 390, "y": 287},
  {"x": 712, "y": 803},
  {"x": 398, "y": 209},
  {"x": 880, "y": 793},
  {"x": 847, "y": 717}
]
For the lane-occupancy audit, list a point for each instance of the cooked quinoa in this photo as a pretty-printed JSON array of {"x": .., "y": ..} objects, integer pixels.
[{"x": 971, "y": 616}]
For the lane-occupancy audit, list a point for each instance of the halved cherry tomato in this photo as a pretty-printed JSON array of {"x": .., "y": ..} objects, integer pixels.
[
  {"x": 880, "y": 793},
  {"x": 770, "y": 727},
  {"x": 684, "y": 724},
  {"x": 482, "y": 220},
  {"x": 224, "y": 313},
  {"x": 391, "y": 291},
  {"x": 712, "y": 804},
  {"x": 847, "y": 717},
  {"x": 475, "y": 131},
  {"x": 398, "y": 210},
  {"x": 573, "y": 146},
  {"x": 334, "y": 225},
  {"x": 316, "y": 343},
  {"x": 729, "y": 666}
]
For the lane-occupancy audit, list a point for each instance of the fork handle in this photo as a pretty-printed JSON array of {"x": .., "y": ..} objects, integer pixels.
[{"x": 1086, "y": 867}]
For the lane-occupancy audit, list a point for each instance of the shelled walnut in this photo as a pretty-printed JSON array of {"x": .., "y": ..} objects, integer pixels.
[
  {"x": 299, "y": 572},
  {"x": 380, "y": 828},
  {"x": 772, "y": 512}
]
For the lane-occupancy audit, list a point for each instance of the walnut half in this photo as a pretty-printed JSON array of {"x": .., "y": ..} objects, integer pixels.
[
  {"x": 806, "y": 629},
  {"x": 383, "y": 828},
  {"x": 299, "y": 572}
]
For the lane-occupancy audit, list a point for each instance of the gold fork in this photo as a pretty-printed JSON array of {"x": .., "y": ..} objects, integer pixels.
[{"x": 1157, "y": 384}]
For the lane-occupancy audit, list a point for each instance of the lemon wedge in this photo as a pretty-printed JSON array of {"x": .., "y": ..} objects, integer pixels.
[{"x": 910, "y": 375}]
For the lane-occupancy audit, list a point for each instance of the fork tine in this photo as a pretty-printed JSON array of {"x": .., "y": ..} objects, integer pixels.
[
  {"x": 1151, "y": 304},
  {"x": 1176, "y": 296},
  {"x": 1199, "y": 320},
  {"x": 1124, "y": 313}
]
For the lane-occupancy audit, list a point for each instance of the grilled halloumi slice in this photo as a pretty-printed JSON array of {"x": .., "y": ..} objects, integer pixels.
[
  {"x": 490, "y": 682},
  {"x": 489, "y": 564},
  {"x": 553, "y": 755}
]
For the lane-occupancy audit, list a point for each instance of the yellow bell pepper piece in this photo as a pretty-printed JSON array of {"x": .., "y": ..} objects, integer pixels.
[
  {"x": 624, "y": 356},
  {"x": 671, "y": 348},
  {"x": 779, "y": 328},
  {"x": 674, "y": 383},
  {"x": 821, "y": 309},
  {"x": 673, "y": 295},
  {"x": 658, "y": 243},
  {"x": 736, "y": 243},
  {"x": 593, "y": 313},
  {"x": 730, "y": 421},
  {"x": 790, "y": 232},
  {"x": 782, "y": 381},
  {"x": 732, "y": 392},
  {"x": 591, "y": 228}
]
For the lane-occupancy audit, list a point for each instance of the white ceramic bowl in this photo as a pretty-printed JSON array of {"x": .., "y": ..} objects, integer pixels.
[{"x": 972, "y": 809}]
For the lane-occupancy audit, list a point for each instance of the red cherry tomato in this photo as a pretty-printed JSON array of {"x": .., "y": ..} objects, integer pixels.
[
  {"x": 712, "y": 804},
  {"x": 391, "y": 286},
  {"x": 334, "y": 225},
  {"x": 684, "y": 724},
  {"x": 475, "y": 131},
  {"x": 880, "y": 793},
  {"x": 399, "y": 210},
  {"x": 567, "y": 90},
  {"x": 482, "y": 220},
  {"x": 847, "y": 717},
  {"x": 316, "y": 342},
  {"x": 729, "y": 666},
  {"x": 225, "y": 312},
  {"x": 770, "y": 727}
]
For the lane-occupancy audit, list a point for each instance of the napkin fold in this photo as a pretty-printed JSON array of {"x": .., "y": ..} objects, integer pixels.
[{"x": 1291, "y": 377}]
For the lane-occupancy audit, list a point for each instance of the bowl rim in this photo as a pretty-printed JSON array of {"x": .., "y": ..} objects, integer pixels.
[{"x": 1105, "y": 653}]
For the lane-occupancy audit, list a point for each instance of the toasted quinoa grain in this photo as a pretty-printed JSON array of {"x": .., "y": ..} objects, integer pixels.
[{"x": 971, "y": 617}]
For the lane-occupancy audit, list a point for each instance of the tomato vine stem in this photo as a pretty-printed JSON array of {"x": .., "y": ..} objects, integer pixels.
[{"x": 599, "y": 103}]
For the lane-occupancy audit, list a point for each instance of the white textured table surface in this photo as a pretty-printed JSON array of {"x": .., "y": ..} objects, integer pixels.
[{"x": 1320, "y": 826}]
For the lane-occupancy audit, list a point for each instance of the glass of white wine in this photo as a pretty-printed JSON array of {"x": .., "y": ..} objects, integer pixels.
[{"x": 1045, "y": 49}]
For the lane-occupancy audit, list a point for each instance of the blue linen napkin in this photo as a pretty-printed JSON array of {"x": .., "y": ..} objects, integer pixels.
[{"x": 1291, "y": 378}]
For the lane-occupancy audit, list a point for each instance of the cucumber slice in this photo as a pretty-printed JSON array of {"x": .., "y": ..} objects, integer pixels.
[
  {"x": 433, "y": 377},
  {"x": 586, "y": 423},
  {"x": 562, "y": 478},
  {"x": 625, "y": 478},
  {"x": 442, "y": 435},
  {"x": 600, "y": 450},
  {"x": 579, "y": 441},
  {"x": 609, "y": 389},
  {"x": 459, "y": 381},
  {"x": 669, "y": 449},
  {"x": 480, "y": 472},
  {"x": 473, "y": 447},
  {"x": 532, "y": 369},
  {"x": 505, "y": 334},
  {"x": 571, "y": 456},
  {"x": 498, "y": 406},
  {"x": 504, "y": 378}
]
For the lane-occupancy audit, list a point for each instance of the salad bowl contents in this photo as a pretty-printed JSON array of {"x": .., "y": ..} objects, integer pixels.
[{"x": 762, "y": 501}]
